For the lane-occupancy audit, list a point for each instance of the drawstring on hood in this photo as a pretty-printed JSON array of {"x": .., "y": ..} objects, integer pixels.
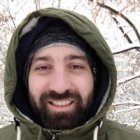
[
  {"x": 18, "y": 128},
  {"x": 96, "y": 130}
]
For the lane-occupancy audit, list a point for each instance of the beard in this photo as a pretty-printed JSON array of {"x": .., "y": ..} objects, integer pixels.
[{"x": 61, "y": 120}]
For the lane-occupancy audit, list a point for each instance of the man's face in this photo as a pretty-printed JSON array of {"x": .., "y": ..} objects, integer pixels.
[{"x": 61, "y": 86}]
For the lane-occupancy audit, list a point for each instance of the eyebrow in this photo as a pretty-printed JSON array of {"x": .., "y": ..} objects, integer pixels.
[
  {"x": 42, "y": 58},
  {"x": 66, "y": 58},
  {"x": 75, "y": 57}
]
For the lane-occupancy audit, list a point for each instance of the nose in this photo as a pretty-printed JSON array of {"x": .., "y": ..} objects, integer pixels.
[{"x": 60, "y": 82}]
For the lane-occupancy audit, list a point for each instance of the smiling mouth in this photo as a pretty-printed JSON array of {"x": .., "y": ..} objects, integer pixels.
[{"x": 61, "y": 103}]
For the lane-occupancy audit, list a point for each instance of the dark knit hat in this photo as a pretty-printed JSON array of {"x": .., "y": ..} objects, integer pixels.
[{"x": 58, "y": 33}]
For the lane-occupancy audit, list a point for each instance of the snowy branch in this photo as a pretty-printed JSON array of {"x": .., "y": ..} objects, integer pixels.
[
  {"x": 123, "y": 16},
  {"x": 136, "y": 123},
  {"x": 59, "y": 3},
  {"x": 129, "y": 109},
  {"x": 36, "y": 4},
  {"x": 127, "y": 103},
  {"x": 122, "y": 30},
  {"x": 76, "y": 5},
  {"x": 10, "y": 15},
  {"x": 127, "y": 49},
  {"x": 125, "y": 80}
]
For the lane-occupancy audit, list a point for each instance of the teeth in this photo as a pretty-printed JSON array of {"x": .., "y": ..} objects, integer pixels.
[{"x": 61, "y": 103}]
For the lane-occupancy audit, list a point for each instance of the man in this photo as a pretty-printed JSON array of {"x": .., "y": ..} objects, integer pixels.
[{"x": 60, "y": 80}]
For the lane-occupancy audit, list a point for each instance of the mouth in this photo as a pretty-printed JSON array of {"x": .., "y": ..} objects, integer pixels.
[{"x": 60, "y": 105}]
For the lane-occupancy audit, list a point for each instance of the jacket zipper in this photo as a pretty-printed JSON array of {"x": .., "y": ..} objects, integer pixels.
[{"x": 55, "y": 135}]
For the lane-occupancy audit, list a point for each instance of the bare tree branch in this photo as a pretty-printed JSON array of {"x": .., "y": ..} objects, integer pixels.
[
  {"x": 128, "y": 49},
  {"x": 127, "y": 103},
  {"x": 123, "y": 16},
  {"x": 10, "y": 15},
  {"x": 122, "y": 81},
  {"x": 36, "y": 4},
  {"x": 59, "y": 3},
  {"x": 129, "y": 109},
  {"x": 136, "y": 123},
  {"x": 121, "y": 29},
  {"x": 76, "y": 5}
]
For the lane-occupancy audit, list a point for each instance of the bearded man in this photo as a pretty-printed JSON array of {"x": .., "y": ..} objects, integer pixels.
[{"x": 60, "y": 80}]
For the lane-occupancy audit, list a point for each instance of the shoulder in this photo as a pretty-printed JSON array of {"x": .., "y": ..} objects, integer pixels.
[
  {"x": 114, "y": 130},
  {"x": 7, "y": 132}
]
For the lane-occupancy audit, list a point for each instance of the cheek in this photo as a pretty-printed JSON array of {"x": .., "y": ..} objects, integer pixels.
[
  {"x": 85, "y": 85},
  {"x": 36, "y": 87},
  {"x": 37, "y": 83}
]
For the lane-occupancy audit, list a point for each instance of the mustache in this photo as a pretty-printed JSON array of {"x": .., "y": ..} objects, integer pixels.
[{"x": 59, "y": 96}]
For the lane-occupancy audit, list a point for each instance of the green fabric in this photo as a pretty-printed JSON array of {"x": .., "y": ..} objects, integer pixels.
[
  {"x": 32, "y": 131},
  {"x": 109, "y": 131}
]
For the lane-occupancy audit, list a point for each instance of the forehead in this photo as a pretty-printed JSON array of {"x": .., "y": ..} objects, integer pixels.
[{"x": 59, "y": 49}]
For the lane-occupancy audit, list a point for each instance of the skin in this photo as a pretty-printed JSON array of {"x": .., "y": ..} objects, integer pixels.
[{"x": 59, "y": 68}]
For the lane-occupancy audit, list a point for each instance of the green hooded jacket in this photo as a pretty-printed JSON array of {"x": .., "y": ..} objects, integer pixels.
[{"x": 25, "y": 128}]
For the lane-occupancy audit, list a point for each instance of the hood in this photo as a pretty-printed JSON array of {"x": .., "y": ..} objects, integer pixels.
[{"x": 15, "y": 91}]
